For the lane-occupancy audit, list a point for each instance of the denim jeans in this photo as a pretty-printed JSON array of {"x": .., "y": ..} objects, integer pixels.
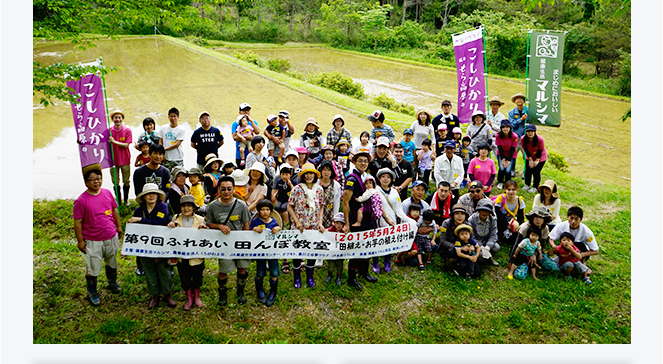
[{"x": 504, "y": 174}]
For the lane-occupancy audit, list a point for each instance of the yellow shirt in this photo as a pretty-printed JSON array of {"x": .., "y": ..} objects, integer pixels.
[{"x": 199, "y": 194}]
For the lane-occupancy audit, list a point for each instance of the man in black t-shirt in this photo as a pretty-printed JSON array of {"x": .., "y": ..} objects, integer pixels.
[
  {"x": 446, "y": 117},
  {"x": 354, "y": 188},
  {"x": 403, "y": 181},
  {"x": 206, "y": 139}
]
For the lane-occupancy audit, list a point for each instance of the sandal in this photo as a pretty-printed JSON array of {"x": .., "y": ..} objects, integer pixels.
[
  {"x": 587, "y": 280},
  {"x": 285, "y": 267}
]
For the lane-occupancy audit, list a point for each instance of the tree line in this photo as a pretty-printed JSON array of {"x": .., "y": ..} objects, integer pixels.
[{"x": 597, "y": 43}]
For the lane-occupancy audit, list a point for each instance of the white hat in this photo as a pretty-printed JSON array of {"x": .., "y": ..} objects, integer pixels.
[
  {"x": 240, "y": 178},
  {"x": 150, "y": 188},
  {"x": 257, "y": 166},
  {"x": 244, "y": 105},
  {"x": 382, "y": 141}
]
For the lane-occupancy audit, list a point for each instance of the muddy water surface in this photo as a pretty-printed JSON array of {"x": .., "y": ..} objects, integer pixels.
[
  {"x": 593, "y": 139},
  {"x": 157, "y": 75}
]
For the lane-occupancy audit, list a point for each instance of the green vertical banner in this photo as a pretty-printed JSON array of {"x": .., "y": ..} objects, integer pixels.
[{"x": 546, "y": 52}]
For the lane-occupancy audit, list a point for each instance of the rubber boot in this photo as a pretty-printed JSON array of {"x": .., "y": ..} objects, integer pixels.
[
  {"x": 125, "y": 189},
  {"x": 117, "y": 194},
  {"x": 375, "y": 265},
  {"x": 309, "y": 275},
  {"x": 111, "y": 275},
  {"x": 352, "y": 279},
  {"x": 297, "y": 277},
  {"x": 223, "y": 291},
  {"x": 241, "y": 283},
  {"x": 273, "y": 289},
  {"x": 196, "y": 298},
  {"x": 387, "y": 263},
  {"x": 170, "y": 302},
  {"x": 154, "y": 301},
  {"x": 338, "y": 280},
  {"x": 363, "y": 272},
  {"x": 259, "y": 289},
  {"x": 330, "y": 275},
  {"x": 189, "y": 300},
  {"x": 92, "y": 293}
]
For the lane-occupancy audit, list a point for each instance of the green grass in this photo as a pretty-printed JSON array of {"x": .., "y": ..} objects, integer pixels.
[{"x": 406, "y": 306}]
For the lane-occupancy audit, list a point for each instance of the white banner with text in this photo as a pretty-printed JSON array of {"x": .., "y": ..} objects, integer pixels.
[{"x": 164, "y": 242}]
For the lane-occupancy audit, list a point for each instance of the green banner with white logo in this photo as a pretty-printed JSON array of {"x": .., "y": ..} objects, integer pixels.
[{"x": 546, "y": 52}]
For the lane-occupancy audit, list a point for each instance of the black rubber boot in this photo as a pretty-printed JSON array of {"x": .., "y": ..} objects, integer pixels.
[
  {"x": 126, "y": 194},
  {"x": 117, "y": 194},
  {"x": 223, "y": 291},
  {"x": 259, "y": 290},
  {"x": 92, "y": 293},
  {"x": 352, "y": 279},
  {"x": 241, "y": 283},
  {"x": 111, "y": 274},
  {"x": 363, "y": 271},
  {"x": 273, "y": 289}
]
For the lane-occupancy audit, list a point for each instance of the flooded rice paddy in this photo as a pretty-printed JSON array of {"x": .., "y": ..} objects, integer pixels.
[{"x": 157, "y": 75}]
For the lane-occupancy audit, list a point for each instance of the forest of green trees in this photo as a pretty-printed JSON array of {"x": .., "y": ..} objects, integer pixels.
[{"x": 598, "y": 42}]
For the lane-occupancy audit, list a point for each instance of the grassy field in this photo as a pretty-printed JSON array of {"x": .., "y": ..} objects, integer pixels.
[{"x": 406, "y": 306}]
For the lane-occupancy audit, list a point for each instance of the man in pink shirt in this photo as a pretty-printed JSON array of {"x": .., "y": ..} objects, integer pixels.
[
  {"x": 97, "y": 228},
  {"x": 120, "y": 140}
]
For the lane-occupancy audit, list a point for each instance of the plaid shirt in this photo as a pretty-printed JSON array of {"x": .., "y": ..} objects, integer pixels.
[{"x": 333, "y": 137}]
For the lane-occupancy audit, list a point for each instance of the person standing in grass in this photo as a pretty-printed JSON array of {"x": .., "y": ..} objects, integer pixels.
[
  {"x": 449, "y": 168},
  {"x": 191, "y": 270},
  {"x": 536, "y": 154},
  {"x": 153, "y": 211},
  {"x": 354, "y": 188},
  {"x": 507, "y": 152},
  {"x": 482, "y": 169},
  {"x": 446, "y": 117},
  {"x": 228, "y": 213},
  {"x": 172, "y": 136},
  {"x": 120, "y": 139},
  {"x": 97, "y": 228},
  {"x": 335, "y": 266},
  {"x": 264, "y": 221},
  {"x": 206, "y": 139},
  {"x": 305, "y": 209},
  {"x": 494, "y": 118},
  {"x": 338, "y": 132}
]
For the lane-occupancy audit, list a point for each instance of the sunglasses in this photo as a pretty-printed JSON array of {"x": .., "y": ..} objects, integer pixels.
[
  {"x": 476, "y": 191},
  {"x": 223, "y": 189}
]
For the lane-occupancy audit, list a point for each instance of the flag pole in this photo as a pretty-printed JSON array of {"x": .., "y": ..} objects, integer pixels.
[
  {"x": 114, "y": 171},
  {"x": 527, "y": 79}
]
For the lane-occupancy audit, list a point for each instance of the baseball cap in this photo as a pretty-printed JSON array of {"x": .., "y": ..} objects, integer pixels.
[
  {"x": 383, "y": 141},
  {"x": 244, "y": 106},
  {"x": 376, "y": 115},
  {"x": 418, "y": 183},
  {"x": 530, "y": 127},
  {"x": 446, "y": 102},
  {"x": 408, "y": 131},
  {"x": 271, "y": 117},
  {"x": 284, "y": 113},
  {"x": 450, "y": 144},
  {"x": 442, "y": 126},
  {"x": 457, "y": 130},
  {"x": 203, "y": 113}
]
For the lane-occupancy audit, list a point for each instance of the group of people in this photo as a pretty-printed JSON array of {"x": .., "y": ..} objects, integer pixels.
[{"x": 331, "y": 184}]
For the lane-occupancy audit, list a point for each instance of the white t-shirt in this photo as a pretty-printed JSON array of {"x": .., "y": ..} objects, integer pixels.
[
  {"x": 171, "y": 136},
  {"x": 582, "y": 234}
]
